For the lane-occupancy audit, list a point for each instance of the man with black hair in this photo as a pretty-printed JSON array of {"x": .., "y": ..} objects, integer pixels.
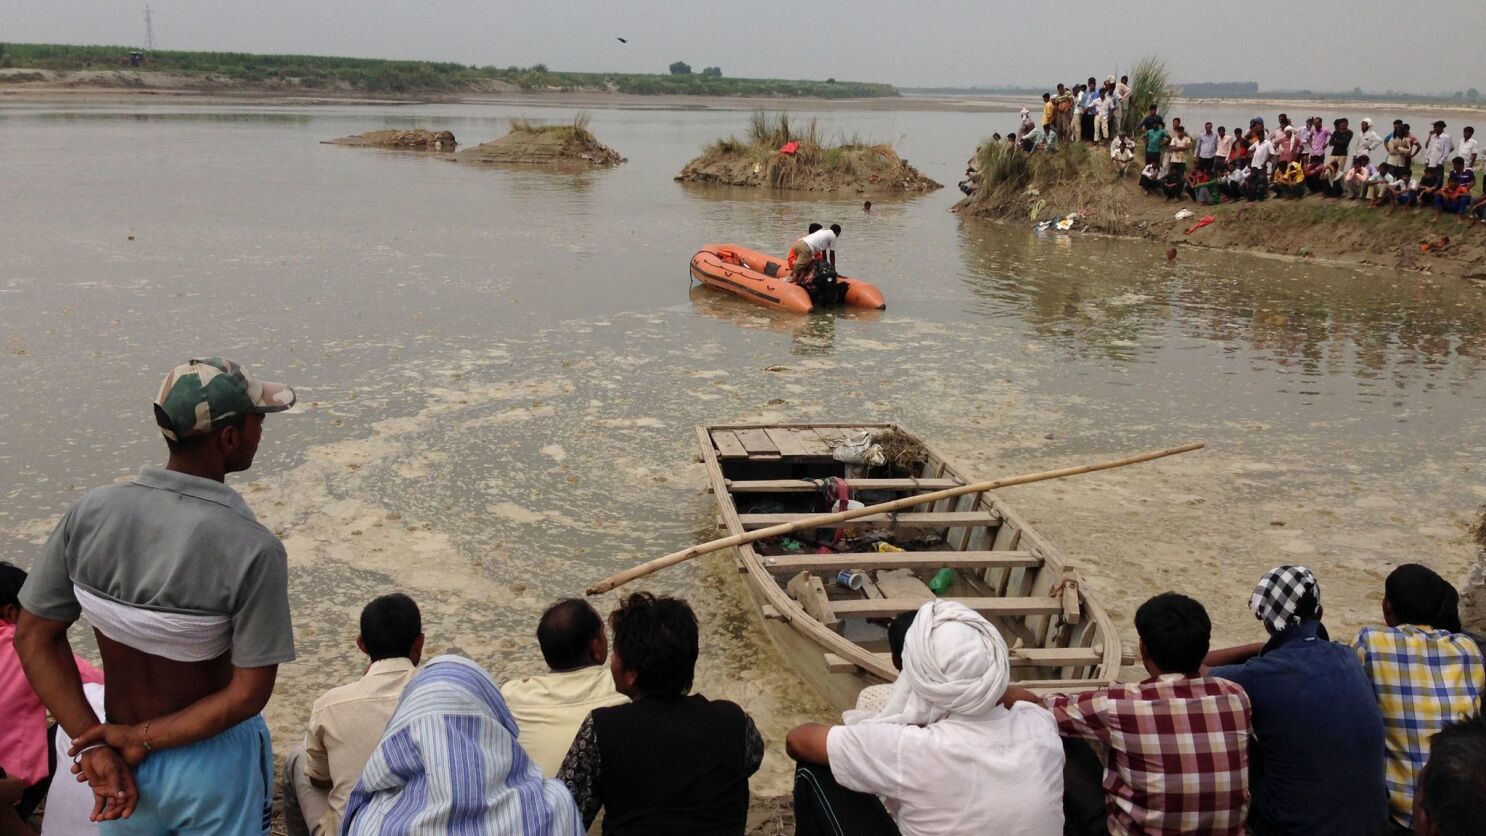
[
  {"x": 1424, "y": 672},
  {"x": 872, "y": 698},
  {"x": 1178, "y": 741},
  {"x": 669, "y": 761},
  {"x": 550, "y": 707},
  {"x": 187, "y": 594},
  {"x": 347, "y": 722},
  {"x": 1451, "y": 796},
  {"x": 1318, "y": 727}
]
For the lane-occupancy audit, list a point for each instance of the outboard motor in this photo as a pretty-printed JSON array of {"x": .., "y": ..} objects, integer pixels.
[{"x": 826, "y": 287}]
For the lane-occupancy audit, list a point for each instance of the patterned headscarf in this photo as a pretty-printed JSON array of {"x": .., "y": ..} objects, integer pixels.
[
  {"x": 1278, "y": 595},
  {"x": 449, "y": 763}
]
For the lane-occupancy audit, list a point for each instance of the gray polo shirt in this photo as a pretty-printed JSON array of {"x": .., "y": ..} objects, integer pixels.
[{"x": 170, "y": 542}]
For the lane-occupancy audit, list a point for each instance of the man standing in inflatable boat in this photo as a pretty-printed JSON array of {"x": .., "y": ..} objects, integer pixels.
[{"x": 819, "y": 244}]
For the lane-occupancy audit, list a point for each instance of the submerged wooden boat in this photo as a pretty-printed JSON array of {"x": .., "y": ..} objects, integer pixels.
[
  {"x": 762, "y": 278},
  {"x": 1061, "y": 639}
]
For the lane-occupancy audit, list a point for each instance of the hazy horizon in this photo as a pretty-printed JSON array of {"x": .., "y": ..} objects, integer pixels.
[{"x": 955, "y": 43}]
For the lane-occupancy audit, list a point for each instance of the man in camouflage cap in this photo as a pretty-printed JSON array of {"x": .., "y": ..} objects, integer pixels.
[{"x": 188, "y": 597}]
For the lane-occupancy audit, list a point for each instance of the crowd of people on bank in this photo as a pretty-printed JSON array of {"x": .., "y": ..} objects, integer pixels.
[
  {"x": 187, "y": 595},
  {"x": 1256, "y": 162}
]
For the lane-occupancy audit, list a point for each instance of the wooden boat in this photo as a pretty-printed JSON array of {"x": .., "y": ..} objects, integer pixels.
[
  {"x": 762, "y": 278},
  {"x": 1061, "y": 639}
]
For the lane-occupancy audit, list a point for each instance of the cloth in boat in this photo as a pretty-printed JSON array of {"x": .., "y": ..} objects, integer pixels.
[
  {"x": 449, "y": 763},
  {"x": 1276, "y": 599},
  {"x": 954, "y": 663}
]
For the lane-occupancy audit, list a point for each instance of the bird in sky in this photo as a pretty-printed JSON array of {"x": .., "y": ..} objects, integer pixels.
[{"x": 621, "y": 40}]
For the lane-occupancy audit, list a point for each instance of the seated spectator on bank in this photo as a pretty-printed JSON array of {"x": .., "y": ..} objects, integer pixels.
[
  {"x": 1455, "y": 197},
  {"x": 347, "y": 722},
  {"x": 1477, "y": 212},
  {"x": 1424, "y": 672},
  {"x": 670, "y": 760},
  {"x": 1048, "y": 141},
  {"x": 1121, "y": 153},
  {"x": 872, "y": 698},
  {"x": 1173, "y": 186},
  {"x": 550, "y": 707},
  {"x": 1202, "y": 188},
  {"x": 1357, "y": 177},
  {"x": 1150, "y": 178},
  {"x": 1452, "y": 786},
  {"x": 1256, "y": 186},
  {"x": 449, "y": 762},
  {"x": 1178, "y": 741},
  {"x": 1402, "y": 192},
  {"x": 1289, "y": 181},
  {"x": 1315, "y": 175},
  {"x": 25, "y": 739},
  {"x": 1430, "y": 185},
  {"x": 1233, "y": 183},
  {"x": 1317, "y": 724},
  {"x": 946, "y": 755}
]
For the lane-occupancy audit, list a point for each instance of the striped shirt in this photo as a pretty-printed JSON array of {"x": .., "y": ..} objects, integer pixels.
[
  {"x": 1179, "y": 750},
  {"x": 1423, "y": 679},
  {"x": 449, "y": 763}
]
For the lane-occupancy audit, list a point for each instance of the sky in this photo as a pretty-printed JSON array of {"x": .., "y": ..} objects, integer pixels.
[{"x": 910, "y": 44}]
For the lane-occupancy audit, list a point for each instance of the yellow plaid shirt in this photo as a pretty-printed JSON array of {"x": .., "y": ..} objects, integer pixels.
[{"x": 1423, "y": 679}]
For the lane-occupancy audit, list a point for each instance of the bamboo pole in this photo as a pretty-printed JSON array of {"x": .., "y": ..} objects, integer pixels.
[{"x": 650, "y": 567}]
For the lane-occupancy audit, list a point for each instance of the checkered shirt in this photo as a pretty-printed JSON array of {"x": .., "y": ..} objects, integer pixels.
[
  {"x": 1179, "y": 750},
  {"x": 1423, "y": 678}
]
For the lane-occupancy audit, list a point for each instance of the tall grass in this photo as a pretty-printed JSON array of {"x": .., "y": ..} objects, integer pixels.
[
  {"x": 1150, "y": 84},
  {"x": 1075, "y": 177},
  {"x": 768, "y": 132},
  {"x": 577, "y": 128}
]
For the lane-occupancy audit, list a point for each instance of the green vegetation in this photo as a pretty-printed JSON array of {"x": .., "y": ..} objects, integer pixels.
[
  {"x": 1150, "y": 84},
  {"x": 817, "y": 159},
  {"x": 383, "y": 76}
]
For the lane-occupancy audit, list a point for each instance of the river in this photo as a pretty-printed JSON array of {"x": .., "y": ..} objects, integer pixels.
[{"x": 500, "y": 369}]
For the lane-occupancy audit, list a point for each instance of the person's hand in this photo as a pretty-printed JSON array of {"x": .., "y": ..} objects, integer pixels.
[
  {"x": 128, "y": 741},
  {"x": 114, "y": 792},
  {"x": 1015, "y": 695}
]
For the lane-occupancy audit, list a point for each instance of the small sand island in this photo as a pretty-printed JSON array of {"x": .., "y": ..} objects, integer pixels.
[
  {"x": 777, "y": 156},
  {"x": 570, "y": 144},
  {"x": 417, "y": 139}
]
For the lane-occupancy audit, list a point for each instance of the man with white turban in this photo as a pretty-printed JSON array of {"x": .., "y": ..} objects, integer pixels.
[{"x": 943, "y": 753}]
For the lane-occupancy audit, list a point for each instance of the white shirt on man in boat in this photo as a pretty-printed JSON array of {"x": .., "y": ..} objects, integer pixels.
[
  {"x": 873, "y": 698},
  {"x": 820, "y": 241}
]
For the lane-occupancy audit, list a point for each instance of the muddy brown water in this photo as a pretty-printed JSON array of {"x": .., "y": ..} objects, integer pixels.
[{"x": 500, "y": 370}]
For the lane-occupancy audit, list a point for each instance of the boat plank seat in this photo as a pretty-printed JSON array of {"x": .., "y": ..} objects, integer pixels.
[
  {"x": 1021, "y": 657},
  {"x": 757, "y": 443},
  {"x": 900, "y": 560},
  {"x": 809, "y": 486},
  {"x": 728, "y": 446},
  {"x": 946, "y": 519},
  {"x": 990, "y": 607},
  {"x": 788, "y": 441}
]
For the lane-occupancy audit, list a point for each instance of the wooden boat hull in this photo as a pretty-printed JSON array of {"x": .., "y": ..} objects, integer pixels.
[
  {"x": 744, "y": 272},
  {"x": 1001, "y": 566}
]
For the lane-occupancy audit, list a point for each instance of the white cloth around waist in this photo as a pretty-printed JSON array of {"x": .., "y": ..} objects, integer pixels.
[{"x": 180, "y": 637}]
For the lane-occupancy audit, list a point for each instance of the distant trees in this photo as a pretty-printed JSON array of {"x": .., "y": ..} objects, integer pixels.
[
  {"x": 1472, "y": 94},
  {"x": 681, "y": 68},
  {"x": 713, "y": 71}
]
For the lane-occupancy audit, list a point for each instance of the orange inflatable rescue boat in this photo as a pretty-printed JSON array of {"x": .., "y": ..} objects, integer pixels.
[{"x": 764, "y": 279}]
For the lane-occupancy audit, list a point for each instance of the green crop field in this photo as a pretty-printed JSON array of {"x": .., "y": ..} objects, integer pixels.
[{"x": 375, "y": 75}]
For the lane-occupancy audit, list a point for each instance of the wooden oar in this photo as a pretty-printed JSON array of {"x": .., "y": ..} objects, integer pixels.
[{"x": 896, "y": 505}]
